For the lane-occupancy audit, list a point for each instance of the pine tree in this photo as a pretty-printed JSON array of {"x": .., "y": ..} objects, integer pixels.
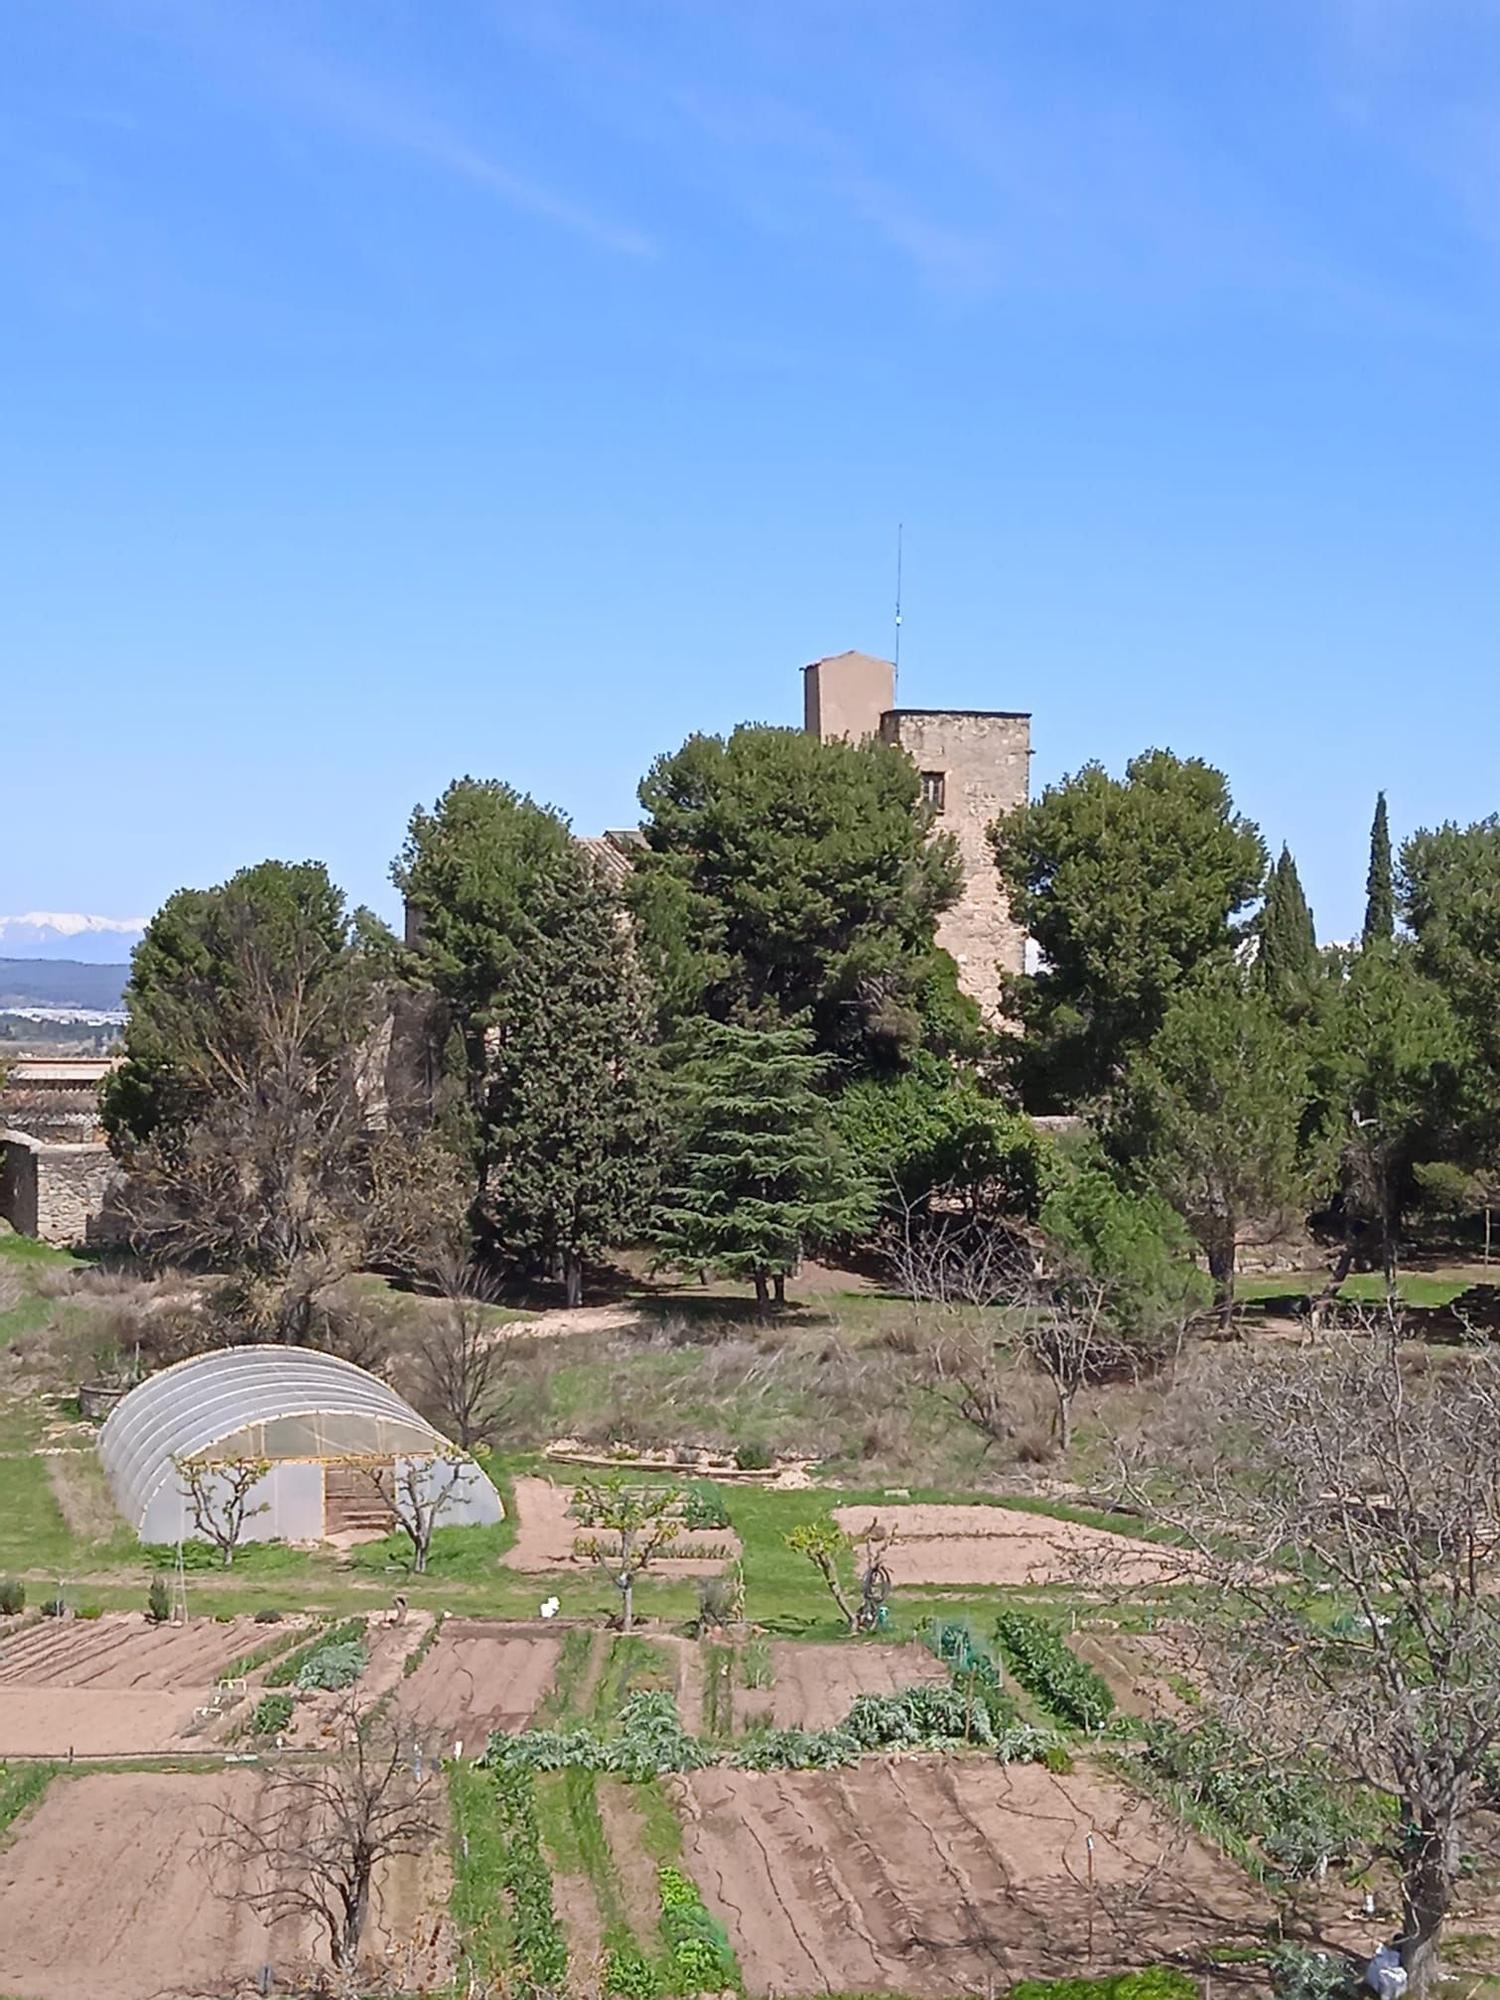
[
  {"x": 1288, "y": 958},
  {"x": 574, "y": 1092},
  {"x": 1380, "y": 891},
  {"x": 760, "y": 1178}
]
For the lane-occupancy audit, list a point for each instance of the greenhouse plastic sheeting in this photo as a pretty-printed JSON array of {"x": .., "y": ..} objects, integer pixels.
[{"x": 274, "y": 1403}]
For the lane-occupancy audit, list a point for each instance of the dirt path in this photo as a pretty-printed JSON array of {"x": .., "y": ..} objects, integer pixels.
[
  {"x": 626, "y": 1834},
  {"x": 563, "y": 1320}
]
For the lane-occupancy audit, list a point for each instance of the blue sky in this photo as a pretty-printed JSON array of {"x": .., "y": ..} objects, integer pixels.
[{"x": 393, "y": 390}]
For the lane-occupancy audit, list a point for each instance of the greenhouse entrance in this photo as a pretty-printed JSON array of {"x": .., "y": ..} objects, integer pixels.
[{"x": 351, "y": 1505}]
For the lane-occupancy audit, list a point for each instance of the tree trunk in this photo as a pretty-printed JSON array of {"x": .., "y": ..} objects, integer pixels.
[
  {"x": 762, "y": 1295},
  {"x": 627, "y": 1600},
  {"x": 1426, "y": 1897},
  {"x": 346, "y": 1951},
  {"x": 573, "y": 1278},
  {"x": 1064, "y": 1416},
  {"x": 419, "y": 1557},
  {"x": 780, "y": 1284},
  {"x": 1221, "y": 1270}
]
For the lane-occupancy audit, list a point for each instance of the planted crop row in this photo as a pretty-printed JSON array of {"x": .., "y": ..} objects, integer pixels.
[
  {"x": 973, "y": 1667},
  {"x": 699, "y": 1958},
  {"x": 1040, "y": 1659},
  {"x": 538, "y": 1948},
  {"x": 1293, "y": 1818},
  {"x": 286, "y": 1670},
  {"x": 22, "y": 1788},
  {"x": 651, "y": 1739}
]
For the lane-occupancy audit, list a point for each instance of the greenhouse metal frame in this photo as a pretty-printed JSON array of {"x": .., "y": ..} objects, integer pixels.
[{"x": 299, "y": 1410}]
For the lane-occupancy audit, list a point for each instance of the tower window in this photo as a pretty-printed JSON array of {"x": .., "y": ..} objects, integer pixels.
[{"x": 932, "y": 790}]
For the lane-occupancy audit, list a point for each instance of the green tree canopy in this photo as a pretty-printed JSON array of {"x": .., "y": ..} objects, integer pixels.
[
  {"x": 1211, "y": 1116},
  {"x": 543, "y": 1025},
  {"x": 1387, "y": 1063},
  {"x": 1450, "y": 900},
  {"x": 216, "y": 973},
  {"x": 1131, "y": 1241},
  {"x": 1126, "y": 884},
  {"x": 932, "y": 1130},
  {"x": 575, "y": 1094},
  {"x": 784, "y": 876},
  {"x": 1380, "y": 888},
  {"x": 759, "y": 1178},
  {"x": 1287, "y": 963}
]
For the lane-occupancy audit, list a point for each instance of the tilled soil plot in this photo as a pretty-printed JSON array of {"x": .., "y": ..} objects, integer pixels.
[
  {"x": 978, "y": 1544},
  {"x": 479, "y": 1678},
  {"x": 815, "y": 1685},
  {"x": 123, "y": 1651},
  {"x": 932, "y": 1877},
  {"x": 105, "y": 1892},
  {"x": 546, "y": 1533},
  {"x": 112, "y": 1686}
]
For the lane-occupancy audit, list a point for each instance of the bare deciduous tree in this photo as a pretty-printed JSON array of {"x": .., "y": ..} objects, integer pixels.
[
  {"x": 218, "y": 1494},
  {"x": 416, "y": 1494},
  {"x": 1356, "y": 1490},
  {"x": 632, "y": 1526},
  {"x": 462, "y": 1357},
  {"x": 996, "y": 1299},
  {"x": 319, "y": 1830}
]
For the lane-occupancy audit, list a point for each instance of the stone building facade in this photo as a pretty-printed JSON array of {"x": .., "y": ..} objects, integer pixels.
[
  {"x": 975, "y": 765},
  {"x": 57, "y": 1191}
]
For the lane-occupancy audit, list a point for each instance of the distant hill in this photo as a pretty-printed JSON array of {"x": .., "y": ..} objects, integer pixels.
[{"x": 61, "y": 982}]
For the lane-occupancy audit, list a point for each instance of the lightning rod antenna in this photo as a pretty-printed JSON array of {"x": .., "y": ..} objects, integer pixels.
[{"x": 896, "y": 663}]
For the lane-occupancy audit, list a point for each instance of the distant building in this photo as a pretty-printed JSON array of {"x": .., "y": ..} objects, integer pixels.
[
  {"x": 56, "y": 1173},
  {"x": 975, "y": 764}
]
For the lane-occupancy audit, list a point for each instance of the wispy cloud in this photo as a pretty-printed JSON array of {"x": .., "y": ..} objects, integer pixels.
[{"x": 247, "y": 52}]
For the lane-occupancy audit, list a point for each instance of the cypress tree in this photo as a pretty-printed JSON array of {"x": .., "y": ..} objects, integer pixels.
[
  {"x": 1288, "y": 958},
  {"x": 1380, "y": 892},
  {"x": 760, "y": 1177}
]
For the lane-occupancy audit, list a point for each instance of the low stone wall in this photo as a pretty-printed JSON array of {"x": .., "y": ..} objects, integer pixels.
[{"x": 61, "y": 1193}]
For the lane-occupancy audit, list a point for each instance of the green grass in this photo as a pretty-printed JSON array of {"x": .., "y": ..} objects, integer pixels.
[
  {"x": 561, "y": 1704},
  {"x": 21, "y": 1788},
  {"x": 1419, "y": 1289}
]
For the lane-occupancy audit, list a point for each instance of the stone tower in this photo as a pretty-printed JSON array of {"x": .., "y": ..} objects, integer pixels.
[{"x": 975, "y": 765}]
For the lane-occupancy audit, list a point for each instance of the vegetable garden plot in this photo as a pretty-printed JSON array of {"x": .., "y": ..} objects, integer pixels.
[
  {"x": 115, "y": 1685},
  {"x": 931, "y": 1877},
  {"x": 478, "y": 1678},
  {"x": 814, "y": 1685},
  {"x": 1005, "y": 1545},
  {"x": 103, "y": 1892}
]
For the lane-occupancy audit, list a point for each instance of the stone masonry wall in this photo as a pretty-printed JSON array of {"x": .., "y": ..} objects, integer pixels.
[
  {"x": 985, "y": 762},
  {"x": 59, "y": 1193}
]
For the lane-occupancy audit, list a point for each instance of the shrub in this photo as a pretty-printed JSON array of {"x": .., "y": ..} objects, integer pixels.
[
  {"x": 54, "y": 1607},
  {"x": 1311, "y": 1975},
  {"x": 12, "y": 1596},
  {"x": 267, "y": 1617},
  {"x": 1040, "y": 1660},
  {"x": 754, "y": 1457},
  {"x": 703, "y": 1509},
  {"x": 337, "y": 1665},
  {"x": 158, "y": 1601},
  {"x": 89, "y": 1611},
  {"x": 699, "y": 1959},
  {"x": 271, "y": 1714}
]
